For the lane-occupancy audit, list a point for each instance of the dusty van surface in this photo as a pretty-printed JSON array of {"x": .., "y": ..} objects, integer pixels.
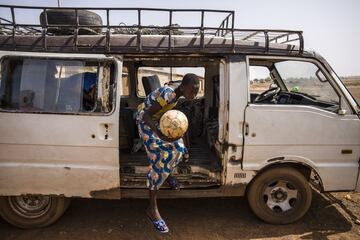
[{"x": 271, "y": 118}]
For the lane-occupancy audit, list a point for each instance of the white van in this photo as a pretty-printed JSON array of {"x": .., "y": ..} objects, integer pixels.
[{"x": 270, "y": 117}]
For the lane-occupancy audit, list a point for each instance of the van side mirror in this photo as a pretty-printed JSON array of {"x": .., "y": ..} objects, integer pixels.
[
  {"x": 341, "y": 111},
  {"x": 273, "y": 85},
  {"x": 321, "y": 76}
]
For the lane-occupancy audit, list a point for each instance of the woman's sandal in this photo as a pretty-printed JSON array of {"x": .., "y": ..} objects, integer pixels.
[
  {"x": 173, "y": 183},
  {"x": 159, "y": 225}
]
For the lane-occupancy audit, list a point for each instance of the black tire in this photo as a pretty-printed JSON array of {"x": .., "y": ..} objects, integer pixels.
[
  {"x": 280, "y": 195},
  {"x": 68, "y": 17},
  {"x": 17, "y": 210}
]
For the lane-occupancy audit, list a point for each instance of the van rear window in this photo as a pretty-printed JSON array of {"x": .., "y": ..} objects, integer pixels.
[{"x": 55, "y": 85}]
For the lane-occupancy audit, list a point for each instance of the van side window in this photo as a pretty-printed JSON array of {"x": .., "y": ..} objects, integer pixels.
[
  {"x": 260, "y": 80},
  {"x": 286, "y": 81},
  {"x": 55, "y": 85},
  {"x": 307, "y": 78},
  {"x": 169, "y": 76}
]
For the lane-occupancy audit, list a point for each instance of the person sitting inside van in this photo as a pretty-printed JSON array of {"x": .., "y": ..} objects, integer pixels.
[{"x": 159, "y": 147}]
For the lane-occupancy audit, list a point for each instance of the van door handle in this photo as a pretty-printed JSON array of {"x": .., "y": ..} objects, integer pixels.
[
  {"x": 104, "y": 131},
  {"x": 246, "y": 129}
]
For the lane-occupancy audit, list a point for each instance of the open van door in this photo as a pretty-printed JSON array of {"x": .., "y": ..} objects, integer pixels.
[
  {"x": 235, "y": 92},
  {"x": 59, "y": 125}
]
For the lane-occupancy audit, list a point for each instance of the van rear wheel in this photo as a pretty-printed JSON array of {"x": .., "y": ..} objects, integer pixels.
[
  {"x": 280, "y": 196},
  {"x": 32, "y": 211}
]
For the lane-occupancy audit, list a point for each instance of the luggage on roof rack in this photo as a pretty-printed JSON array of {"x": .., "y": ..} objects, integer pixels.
[{"x": 83, "y": 36}]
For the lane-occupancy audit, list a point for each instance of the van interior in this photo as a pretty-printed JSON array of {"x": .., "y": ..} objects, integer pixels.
[{"x": 143, "y": 75}]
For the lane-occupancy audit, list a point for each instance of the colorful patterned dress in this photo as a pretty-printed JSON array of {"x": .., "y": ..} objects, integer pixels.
[{"x": 163, "y": 156}]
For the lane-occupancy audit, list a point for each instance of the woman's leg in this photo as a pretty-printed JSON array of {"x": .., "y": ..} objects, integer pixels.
[
  {"x": 154, "y": 178},
  {"x": 152, "y": 210}
]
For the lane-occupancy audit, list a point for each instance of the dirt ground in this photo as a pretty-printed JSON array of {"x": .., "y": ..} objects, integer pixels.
[{"x": 330, "y": 217}]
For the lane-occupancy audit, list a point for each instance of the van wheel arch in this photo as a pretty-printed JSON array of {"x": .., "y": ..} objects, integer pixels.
[{"x": 303, "y": 168}]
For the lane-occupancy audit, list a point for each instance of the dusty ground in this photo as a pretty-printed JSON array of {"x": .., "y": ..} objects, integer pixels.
[{"x": 196, "y": 219}]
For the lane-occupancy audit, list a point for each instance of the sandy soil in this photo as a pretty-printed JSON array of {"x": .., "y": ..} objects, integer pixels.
[{"x": 330, "y": 217}]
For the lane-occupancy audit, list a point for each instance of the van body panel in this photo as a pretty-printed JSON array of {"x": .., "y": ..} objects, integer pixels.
[
  {"x": 58, "y": 154},
  {"x": 307, "y": 132},
  {"x": 57, "y": 170}
]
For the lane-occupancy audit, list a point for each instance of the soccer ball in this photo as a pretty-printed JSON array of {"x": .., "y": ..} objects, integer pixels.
[{"x": 173, "y": 124}]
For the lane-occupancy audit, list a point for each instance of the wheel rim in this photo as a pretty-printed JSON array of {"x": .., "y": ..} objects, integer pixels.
[
  {"x": 30, "y": 206},
  {"x": 281, "y": 196}
]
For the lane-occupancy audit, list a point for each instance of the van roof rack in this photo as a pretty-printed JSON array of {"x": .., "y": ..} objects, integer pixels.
[{"x": 122, "y": 38}]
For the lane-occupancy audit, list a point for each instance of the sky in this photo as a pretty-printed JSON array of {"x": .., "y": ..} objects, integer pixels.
[{"x": 331, "y": 27}]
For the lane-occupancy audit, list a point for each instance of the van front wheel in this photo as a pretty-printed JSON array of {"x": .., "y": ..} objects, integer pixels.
[
  {"x": 280, "y": 196},
  {"x": 32, "y": 211}
]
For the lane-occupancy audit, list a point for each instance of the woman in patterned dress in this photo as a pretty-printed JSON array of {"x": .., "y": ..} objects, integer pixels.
[{"x": 163, "y": 153}]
